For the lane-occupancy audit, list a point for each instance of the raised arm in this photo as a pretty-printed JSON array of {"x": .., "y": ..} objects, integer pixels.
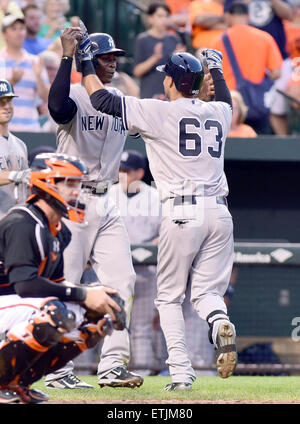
[
  {"x": 61, "y": 107},
  {"x": 214, "y": 64}
]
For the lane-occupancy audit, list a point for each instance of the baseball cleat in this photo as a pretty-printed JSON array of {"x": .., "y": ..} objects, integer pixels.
[
  {"x": 8, "y": 396},
  {"x": 178, "y": 387},
  {"x": 120, "y": 377},
  {"x": 226, "y": 353},
  {"x": 69, "y": 381}
]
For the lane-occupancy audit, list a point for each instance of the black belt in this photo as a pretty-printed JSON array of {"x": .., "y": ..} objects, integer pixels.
[
  {"x": 191, "y": 200},
  {"x": 93, "y": 189}
]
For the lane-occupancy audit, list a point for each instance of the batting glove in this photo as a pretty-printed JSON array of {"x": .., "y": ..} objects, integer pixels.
[
  {"x": 213, "y": 59},
  {"x": 19, "y": 177},
  {"x": 84, "y": 49}
]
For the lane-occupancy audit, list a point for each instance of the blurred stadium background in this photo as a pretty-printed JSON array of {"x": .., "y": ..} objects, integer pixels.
[{"x": 263, "y": 177}]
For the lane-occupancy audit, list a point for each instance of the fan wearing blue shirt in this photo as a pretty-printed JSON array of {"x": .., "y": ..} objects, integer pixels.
[{"x": 33, "y": 18}]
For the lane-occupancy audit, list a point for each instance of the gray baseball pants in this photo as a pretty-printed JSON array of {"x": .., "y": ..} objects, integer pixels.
[
  {"x": 200, "y": 248},
  {"x": 104, "y": 241}
]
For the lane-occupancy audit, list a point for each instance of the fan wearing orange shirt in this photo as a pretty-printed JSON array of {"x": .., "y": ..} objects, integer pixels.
[
  {"x": 292, "y": 30},
  {"x": 207, "y": 21},
  {"x": 255, "y": 50},
  {"x": 179, "y": 13}
]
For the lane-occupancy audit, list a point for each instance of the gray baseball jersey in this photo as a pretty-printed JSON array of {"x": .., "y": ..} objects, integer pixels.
[
  {"x": 141, "y": 213},
  {"x": 13, "y": 157},
  {"x": 98, "y": 139},
  {"x": 184, "y": 145}
]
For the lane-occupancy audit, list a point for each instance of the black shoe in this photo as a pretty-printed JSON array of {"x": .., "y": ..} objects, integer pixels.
[
  {"x": 8, "y": 396},
  {"x": 69, "y": 381},
  {"x": 226, "y": 352},
  {"x": 120, "y": 377},
  {"x": 27, "y": 395},
  {"x": 178, "y": 386}
]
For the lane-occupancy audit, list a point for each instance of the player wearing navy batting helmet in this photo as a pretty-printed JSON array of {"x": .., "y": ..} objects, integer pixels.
[
  {"x": 98, "y": 139},
  {"x": 184, "y": 140}
]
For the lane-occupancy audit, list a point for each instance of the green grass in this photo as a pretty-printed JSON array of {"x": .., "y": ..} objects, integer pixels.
[{"x": 205, "y": 388}]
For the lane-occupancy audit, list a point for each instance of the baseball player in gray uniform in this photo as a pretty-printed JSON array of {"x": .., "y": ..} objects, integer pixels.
[
  {"x": 13, "y": 155},
  {"x": 98, "y": 139},
  {"x": 185, "y": 140},
  {"x": 141, "y": 210}
]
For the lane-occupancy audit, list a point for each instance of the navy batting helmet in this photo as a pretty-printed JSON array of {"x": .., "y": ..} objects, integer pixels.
[
  {"x": 186, "y": 71},
  {"x": 6, "y": 89},
  {"x": 105, "y": 44},
  {"x": 102, "y": 43}
]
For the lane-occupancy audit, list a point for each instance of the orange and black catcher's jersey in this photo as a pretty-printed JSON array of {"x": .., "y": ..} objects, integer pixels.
[{"x": 29, "y": 248}]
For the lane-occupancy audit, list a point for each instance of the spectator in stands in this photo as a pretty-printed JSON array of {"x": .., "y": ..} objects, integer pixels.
[
  {"x": 256, "y": 53},
  {"x": 56, "y": 47},
  {"x": 139, "y": 205},
  {"x": 8, "y": 7},
  {"x": 51, "y": 62},
  {"x": 25, "y": 72},
  {"x": 33, "y": 19},
  {"x": 152, "y": 49},
  {"x": 292, "y": 31},
  {"x": 179, "y": 13},
  {"x": 238, "y": 127},
  {"x": 179, "y": 19},
  {"x": 293, "y": 46},
  {"x": 55, "y": 19},
  {"x": 207, "y": 21},
  {"x": 24, "y": 3},
  {"x": 269, "y": 15}
]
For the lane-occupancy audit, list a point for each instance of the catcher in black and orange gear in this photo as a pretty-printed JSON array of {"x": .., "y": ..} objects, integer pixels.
[{"x": 47, "y": 321}]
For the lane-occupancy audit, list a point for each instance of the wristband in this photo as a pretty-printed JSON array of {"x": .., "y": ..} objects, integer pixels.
[
  {"x": 67, "y": 57},
  {"x": 77, "y": 294},
  {"x": 87, "y": 68}
]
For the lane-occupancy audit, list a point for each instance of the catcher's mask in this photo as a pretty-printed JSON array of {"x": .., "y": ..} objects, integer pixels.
[{"x": 50, "y": 169}]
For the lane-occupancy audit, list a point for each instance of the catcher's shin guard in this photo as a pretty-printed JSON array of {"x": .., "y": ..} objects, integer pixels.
[
  {"x": 28, "y": 341},
  {"x": 67, "y": 349}
]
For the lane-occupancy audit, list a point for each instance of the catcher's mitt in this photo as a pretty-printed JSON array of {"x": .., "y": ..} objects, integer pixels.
[{"x": 120, "y": 322}]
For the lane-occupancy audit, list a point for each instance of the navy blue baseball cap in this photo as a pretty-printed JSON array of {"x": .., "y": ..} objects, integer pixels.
[
  {"x": 6, "y": 89},
  {"x": 132, "y": 160}
]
